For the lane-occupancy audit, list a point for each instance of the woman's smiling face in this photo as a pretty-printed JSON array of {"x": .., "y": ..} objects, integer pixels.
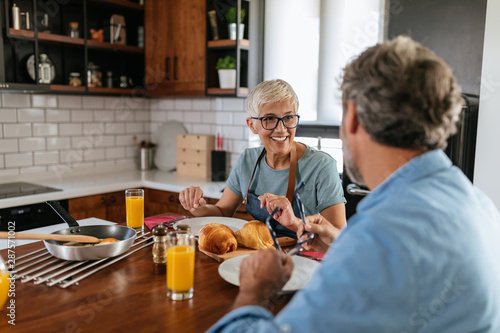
[{"x": 279, "y": 140}]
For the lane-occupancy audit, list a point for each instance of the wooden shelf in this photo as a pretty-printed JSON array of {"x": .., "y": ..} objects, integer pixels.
[
  {"x": 42, "y": 36},
  {"x": 66, "y": 88},
  {"x": 245, "y": 43},
  {"x": 21, "y": 33},
  {"x": 114, "y": 47},
  {"x": 242, "y": 91},
  {"x": 118, "y": 91},
  {"x": 121, "y": 3}
]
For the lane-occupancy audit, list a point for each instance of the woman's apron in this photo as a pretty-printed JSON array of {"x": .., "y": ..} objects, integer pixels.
[{"x": 252, "y": 203}]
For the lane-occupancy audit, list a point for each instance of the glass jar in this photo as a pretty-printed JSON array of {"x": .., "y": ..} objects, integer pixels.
[
  {"x": 123, "y": 81},
  {"x": 44, "y": 69},
  {"x": 74, "y": 79},
  {"x": 93, "y": 76},
  {"x": 73, "y": 30}
]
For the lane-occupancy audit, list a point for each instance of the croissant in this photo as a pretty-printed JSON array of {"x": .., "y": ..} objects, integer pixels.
[
  {"x": 217, "y": 238},
  {"x": 254, "y": 235}
]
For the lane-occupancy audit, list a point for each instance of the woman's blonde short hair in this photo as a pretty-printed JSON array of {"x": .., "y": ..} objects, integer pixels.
[{"x": 270, "y": 92}]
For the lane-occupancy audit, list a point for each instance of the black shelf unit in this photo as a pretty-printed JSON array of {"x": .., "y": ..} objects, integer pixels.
[
  {"x": 218, "y": 48},
  {"x": 71, "y": 54}
]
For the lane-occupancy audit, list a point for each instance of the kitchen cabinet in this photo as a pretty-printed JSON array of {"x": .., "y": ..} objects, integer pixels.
[
  {"x": 160, "y": 202},
  {"x": 175, "y": 48},
  {"x": 47, "y": 32},
  {"x": 223, "y": 46},
  {"x": 107, "y": 206}
]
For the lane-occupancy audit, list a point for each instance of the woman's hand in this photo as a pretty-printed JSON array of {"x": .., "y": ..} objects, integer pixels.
[
  {"x": 192, "y": 198},
  {"x": 325, "y": 233},
  {"x": 285, "y": 215}
]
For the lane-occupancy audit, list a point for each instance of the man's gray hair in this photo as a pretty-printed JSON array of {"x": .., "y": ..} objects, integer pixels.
[
  {"x": 405, "y": 95},
  {"x": 270, "y": 92}
]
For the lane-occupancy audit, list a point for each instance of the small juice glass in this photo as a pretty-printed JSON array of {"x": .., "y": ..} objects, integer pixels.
[
  {"x": 134, "y": 200},
  {"x": 4, "y": 283},
  {"x": 180, "y": 265}
]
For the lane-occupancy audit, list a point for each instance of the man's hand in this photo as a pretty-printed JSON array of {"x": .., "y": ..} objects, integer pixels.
[
  {"x": 262, "y": 275},
  {"x": 191, "y": 198},
  {"x": 324, "y": 231},
  {"x": 285, "y": 216}
]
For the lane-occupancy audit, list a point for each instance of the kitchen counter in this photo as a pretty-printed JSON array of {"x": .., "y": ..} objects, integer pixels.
[{"x": 90, "y": 182}]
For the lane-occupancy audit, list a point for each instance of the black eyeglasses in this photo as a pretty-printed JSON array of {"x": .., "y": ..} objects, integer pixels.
[{"x": 271, "y": 122}]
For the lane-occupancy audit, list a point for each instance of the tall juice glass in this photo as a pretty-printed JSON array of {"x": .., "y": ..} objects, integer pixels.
[
  {"x": 134, "y": 200},
  {"x": 4, "y": 283},
  {"x": 180, "y": 265}
]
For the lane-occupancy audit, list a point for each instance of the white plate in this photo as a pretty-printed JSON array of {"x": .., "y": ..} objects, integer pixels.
[
  {"x": 166, "y": 149},
  {"x": 303, "y": 270},
  {"x": 196, "y": 223}
]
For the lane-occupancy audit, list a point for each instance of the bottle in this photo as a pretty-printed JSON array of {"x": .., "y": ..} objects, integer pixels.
[
  {"x": 93, "y": 76},
  {"x": 16, "y": 17},
  {"x": 123, "y": 81},
  {"x": 73, "y": 30},
  {"x": 44, "y": 69},
  {"x": 159, "y": 249},
  {"x": 109, "y": 79}
]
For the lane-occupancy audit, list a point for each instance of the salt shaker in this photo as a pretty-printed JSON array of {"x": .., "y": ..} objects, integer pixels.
[{"x": 159, "y": 249}]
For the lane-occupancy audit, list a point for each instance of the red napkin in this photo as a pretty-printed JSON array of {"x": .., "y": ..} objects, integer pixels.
[
  {"x": 314, "y": 254},
  {"x": 151, "y": 222}
]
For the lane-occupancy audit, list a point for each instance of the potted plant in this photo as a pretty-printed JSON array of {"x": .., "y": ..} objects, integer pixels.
[
  {"x": 227, "y": 72},
  {"x": 231, "y": 16}
]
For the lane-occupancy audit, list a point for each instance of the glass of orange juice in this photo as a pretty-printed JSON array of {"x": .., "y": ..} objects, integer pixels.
[
  {"x": 4, "y": 283},
  {"x": 180, "y": 265},
  {"x": 134, "y": 200}
]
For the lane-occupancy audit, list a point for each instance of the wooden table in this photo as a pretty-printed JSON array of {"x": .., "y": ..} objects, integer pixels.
[{"x": 125, "y": 296}]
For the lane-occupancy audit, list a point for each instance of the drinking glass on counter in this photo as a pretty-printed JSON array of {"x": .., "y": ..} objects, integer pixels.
[
  {"x": 4, "y": 283},
  {"x": 134, "y": 200},
  {"x": 180, "y": 264}
]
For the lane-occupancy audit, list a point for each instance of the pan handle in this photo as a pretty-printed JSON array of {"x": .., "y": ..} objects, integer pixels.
[{"x": 63, "y": 214}]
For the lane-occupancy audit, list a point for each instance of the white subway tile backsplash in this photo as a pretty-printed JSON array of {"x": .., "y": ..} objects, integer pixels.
[
  {"x": 30, "y": 115},
  {"x": 233, "y": 104},
  {"x": 71, "y": 102},
  {"x": 8, "y": 115},
  {"x": 45, "y": 129},
  {"x": 58, "y": 143},
  {"x": 82, "y": 115},
  {"x": 44, "y": 101},
  {"x": 57, "y": 115},
  {"x": 6, "y": 174},
  {"x": 31, "y": 144},
  {"x": 192, "y": 117},
  {"x": 134, "y": 128},
  {"x": 49, "y": 133},
  {"x": 46, "y": 157},
  {"x": 204, "y": 104},
  {"x": 70, "y": 129},
  {"x": 16, "y": 100},
  {"x": 18, "y": 160},
  {"x": 16, "y": 130},
  {"x": 183, "y": 104},
  {"x": 104, "y": 115},
  {"x": 93, "y": 102},
  {"x": 9, "y": 145}
]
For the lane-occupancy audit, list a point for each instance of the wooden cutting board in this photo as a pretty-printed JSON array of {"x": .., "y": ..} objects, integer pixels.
[{"x": 240, "y": 251}]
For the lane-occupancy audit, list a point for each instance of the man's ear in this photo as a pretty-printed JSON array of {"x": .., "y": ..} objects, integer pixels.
[
  {"x": 350, "y": 118},
  {"x": 251, "y": 126}
]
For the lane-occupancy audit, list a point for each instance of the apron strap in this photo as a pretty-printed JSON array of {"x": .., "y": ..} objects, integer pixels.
[{"x": 291, "y": 173}]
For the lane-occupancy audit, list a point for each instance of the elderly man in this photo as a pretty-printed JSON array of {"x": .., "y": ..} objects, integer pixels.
[{"x": 422, "y": 252}]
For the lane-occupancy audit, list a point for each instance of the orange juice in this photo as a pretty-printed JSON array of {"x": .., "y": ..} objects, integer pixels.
[
  {"x": 4, "y": 288},
  {"x": 135, "y": 211},
  {"x": 180, "y": 268}
]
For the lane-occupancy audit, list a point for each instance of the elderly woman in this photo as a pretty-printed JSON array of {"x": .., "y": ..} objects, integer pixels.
[{"x": 267, "y": 177}]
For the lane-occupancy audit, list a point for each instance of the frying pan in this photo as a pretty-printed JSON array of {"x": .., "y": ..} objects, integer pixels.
[{"x": 124, "y": 235}]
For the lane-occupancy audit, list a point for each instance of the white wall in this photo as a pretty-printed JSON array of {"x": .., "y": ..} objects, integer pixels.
[{"x": 487, "y": 164}]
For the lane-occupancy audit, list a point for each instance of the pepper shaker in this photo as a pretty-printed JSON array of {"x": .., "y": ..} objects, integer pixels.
[{"x": 159, "y": 249}]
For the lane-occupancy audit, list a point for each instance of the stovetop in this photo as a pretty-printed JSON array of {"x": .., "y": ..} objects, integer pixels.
[{"x": 19, "y": 189}]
